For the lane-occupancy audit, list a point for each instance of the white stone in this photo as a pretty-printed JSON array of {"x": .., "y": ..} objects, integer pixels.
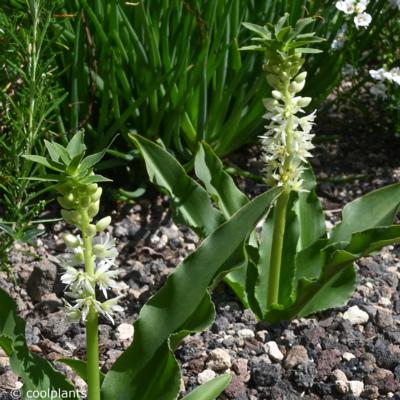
[
  {"x": 356, "y": 316},
  {"x": 262, "y": 335},
  {"x": 384, "y": 301},
  {"x": 125, "y": 332},
  {"x": 220, "y": 360},
  {"x": 273, "y": 351},
  {"x": 348, "y": 356},
  {"x": 246, "y": 333},
  {"x": 339, "y": 375},
  {"x": 356, "y": 387},
  {"x": 205, "y": 376}
]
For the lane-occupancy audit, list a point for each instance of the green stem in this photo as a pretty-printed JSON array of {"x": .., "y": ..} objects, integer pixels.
[
  {"x": 276, "y": 252},
  {"x": 92, "y": 328}
]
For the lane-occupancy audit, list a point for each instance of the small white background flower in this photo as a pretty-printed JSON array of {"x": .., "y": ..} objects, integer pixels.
[{"x": 362, "y": 20}]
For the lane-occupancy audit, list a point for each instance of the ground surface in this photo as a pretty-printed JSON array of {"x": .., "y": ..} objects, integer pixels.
[{"x": 324, "y": 357}]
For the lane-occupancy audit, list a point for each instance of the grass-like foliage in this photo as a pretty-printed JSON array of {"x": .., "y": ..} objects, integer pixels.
[{"x": 173, "y": 70}]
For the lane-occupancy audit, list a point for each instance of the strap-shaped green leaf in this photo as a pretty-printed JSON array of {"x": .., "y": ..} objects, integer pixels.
[
  {"x": 218, "y": 182},
  {"x": 210, "y": 390},
  {"x": 377, "y": 208},
  {"x": 36, "y": 373},
  {"x": 190, "y": 202},
  {"x": 336, "y": 280},
  {"x": 175, "y": 308},
  {"x": 221, "y": 187},
  {"x": 309, "y": 212}
]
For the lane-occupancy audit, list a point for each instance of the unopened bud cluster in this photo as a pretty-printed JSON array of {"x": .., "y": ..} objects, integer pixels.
[
  {"x": 80, "y": 204},
  {"x": 287, "y": 140}
]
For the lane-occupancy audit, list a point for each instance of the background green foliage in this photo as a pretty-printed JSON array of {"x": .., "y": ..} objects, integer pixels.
[{"x": 30, "y": 99}]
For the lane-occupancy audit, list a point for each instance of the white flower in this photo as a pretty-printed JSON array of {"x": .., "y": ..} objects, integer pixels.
[
  {"x": 104, "y": 247},
  {"x": 378, "y": 74},
  {"x": 378, "y": 90},
  {"x": 109, "y": 307},
  {"x": 104, "y": 277},
  {"x": 395, "y": 75},
  {"x": 382, "y": 74},
  {"x": 362, "y": 20},
  {"x": 284, "y": 160},
  {"x": 346, "y": 6},
  {"x": 78, "y": 280},
  {"x": 83, "y": 306},
  {"x": 361, "y": 6}
]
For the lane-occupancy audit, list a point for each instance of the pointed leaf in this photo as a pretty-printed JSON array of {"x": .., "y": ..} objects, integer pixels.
[
  {"x": 219, "y": 184},
  {"x": 307, "y": 50},
  {"x": 210, "y": 390},
  {"x": 309, "y": 212},
  {"x": 190, "y": 202},
  {"x": 377, "y": 208},
  {"x": 44, "y": 161},
  {"x": 337, "y": 277},
  {"x": 76, "y": 145},
  {"x": 36, "y": 373},
  {"x": 262, "y": 31}
]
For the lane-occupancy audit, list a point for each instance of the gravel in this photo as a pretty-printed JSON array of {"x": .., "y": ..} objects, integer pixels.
[{"x": 350, "y": 352}]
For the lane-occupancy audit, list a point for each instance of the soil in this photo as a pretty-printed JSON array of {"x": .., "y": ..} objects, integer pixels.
[{"x": 323, "y": 357}]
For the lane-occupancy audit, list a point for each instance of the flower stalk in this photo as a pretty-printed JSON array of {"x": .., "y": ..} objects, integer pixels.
[
  {"x": 89, "y": 262},
  {"x": 287, "y": 140}
]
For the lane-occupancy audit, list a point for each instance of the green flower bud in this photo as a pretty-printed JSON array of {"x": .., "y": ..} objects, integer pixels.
[
  {"x": 64, "y": 203},
  {"x": 301, "y": 77},
  {"x": 273, "y": 80},
  {"x": 296, "y": 87},
  {"x": 277, "y": 94},
  {"x": 85, "y": 201},
  {"x": 71, "y": 240},
  {"x": 72, "y": 217},
  {"x": 304, "y": 101},
  {"x": 92, "y": 188},
  {"x": 103, "y": 223},
  {"x": 93, "y": 209},
  {"x": 90, "y": 230},
  {"x": 96, "y": 196}
]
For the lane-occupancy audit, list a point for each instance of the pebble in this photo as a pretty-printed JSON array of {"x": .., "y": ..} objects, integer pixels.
[
  {"x": 385, "y": 302},
  {"x": 348, "y": 356},
  {"x": 341, "y": 386},
  {"x": 240, "y": 366},
  {"x": 356, "y": 387},
  {"x": 262, "y": 335},
  {"x": 205, "y": 376},
  {"x": 273, "y": 351},
  {"x": 297, "y": 355},
  {"x": 4, "y": 362},
  {"x": 371, "y": 392},
  {"x": 339, "y": 375},
  {"x": 219, "y": 360},
  {"x": 8, "y": 380},
  {"x": 246, "y": 333},
  {"x": 125, "y": 332},
  {"x": 356, "y": 316}
]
